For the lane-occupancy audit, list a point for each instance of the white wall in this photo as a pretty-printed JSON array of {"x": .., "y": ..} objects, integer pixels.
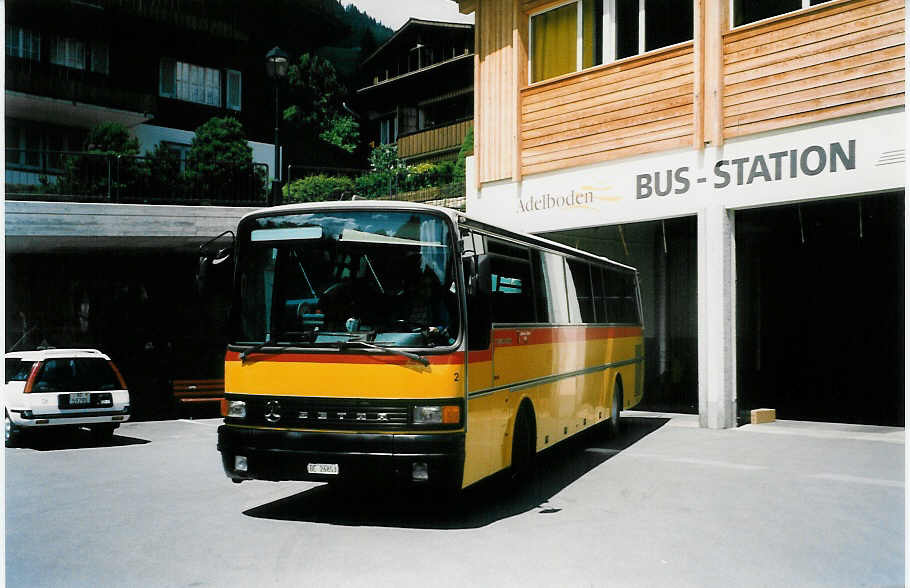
[
  {"x": 849, "y": 156},
  {"x": 150, "y": 135}
]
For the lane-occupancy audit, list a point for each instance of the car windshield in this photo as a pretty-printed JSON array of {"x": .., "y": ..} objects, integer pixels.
[{"x": 335, "y": 277}]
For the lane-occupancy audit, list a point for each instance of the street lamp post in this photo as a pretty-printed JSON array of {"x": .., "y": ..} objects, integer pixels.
[{"x": 276, "y": 67}]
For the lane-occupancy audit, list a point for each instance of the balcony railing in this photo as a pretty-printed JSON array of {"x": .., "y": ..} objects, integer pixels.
[
  {"x": 45, "y": 79},
  {"x": 100, "y": 177},
  {"x": 436, "y": 141}
]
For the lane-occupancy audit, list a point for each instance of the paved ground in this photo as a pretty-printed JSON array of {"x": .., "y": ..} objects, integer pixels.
[{"x": 668, "y": 504}]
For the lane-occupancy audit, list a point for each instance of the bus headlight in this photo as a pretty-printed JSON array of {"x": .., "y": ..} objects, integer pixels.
[
  {"x": 437, "y": 415},
  {"x": 236, "y": 409}
]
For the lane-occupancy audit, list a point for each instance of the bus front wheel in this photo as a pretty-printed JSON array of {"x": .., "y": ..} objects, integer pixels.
[{"x": 524, "y": 444}]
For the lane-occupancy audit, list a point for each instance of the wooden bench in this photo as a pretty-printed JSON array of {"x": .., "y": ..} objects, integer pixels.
[{"x": 193, "y": 391}]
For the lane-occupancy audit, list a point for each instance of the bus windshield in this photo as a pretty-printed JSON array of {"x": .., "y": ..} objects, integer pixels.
[{"x": 332, "y": 278}]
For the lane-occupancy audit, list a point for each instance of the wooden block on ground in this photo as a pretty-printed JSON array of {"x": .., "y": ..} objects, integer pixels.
[{"x": 763, "y": 415}]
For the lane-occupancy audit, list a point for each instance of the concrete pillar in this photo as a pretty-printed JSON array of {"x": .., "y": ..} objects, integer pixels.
[{"x": 716, "y": 318}]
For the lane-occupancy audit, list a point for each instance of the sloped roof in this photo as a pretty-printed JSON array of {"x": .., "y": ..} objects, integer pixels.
[{"x": 415, "y": 23}]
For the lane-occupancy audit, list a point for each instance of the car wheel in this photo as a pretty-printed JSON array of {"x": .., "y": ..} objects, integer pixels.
[
  {"x": 615, "y": 425},
  {"x": 103, "y": 432},
  {"x": 11, "y": 431}
]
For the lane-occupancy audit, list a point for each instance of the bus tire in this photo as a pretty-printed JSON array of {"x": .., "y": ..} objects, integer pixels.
[
  {"x": 614, "y": 428},
  {"x": 524, "y": 445}
]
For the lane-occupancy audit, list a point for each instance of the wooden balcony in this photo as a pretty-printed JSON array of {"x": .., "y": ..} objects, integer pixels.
[
  {"x": 838, "y": 59},
  {"x": 435, "y": 142},
  {"x": 634, "y": 106}
]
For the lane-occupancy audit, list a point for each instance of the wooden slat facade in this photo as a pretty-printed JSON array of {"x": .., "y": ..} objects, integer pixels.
[
  {"x": 836, "y": 59},
  {"x": 495, "y": 89},
  {"x": 432, "y": 141},
  {"x": 630, "y": 107}
]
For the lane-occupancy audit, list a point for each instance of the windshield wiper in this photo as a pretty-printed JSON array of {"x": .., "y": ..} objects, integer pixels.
[
  {"x": 275, "y": 343},
  {"x": 413, "y": 356}
]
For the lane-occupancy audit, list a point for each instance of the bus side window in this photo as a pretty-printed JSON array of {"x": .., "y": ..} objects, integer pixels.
[
  {"x": 512, "y": 292},
  {"x": 622, "y": 306},
  {"x": 581, "y": 278},
  {"x": 539, "y": 282},
  {"x": 600, "y": 297},
  {"x": 554, "y": 282}
]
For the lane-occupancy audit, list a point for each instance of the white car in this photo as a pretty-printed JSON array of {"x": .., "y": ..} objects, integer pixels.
[{"x": 63, "y": 388}]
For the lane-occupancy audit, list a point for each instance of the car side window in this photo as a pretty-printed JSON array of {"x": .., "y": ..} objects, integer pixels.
[{"x": 17, "y": 370}]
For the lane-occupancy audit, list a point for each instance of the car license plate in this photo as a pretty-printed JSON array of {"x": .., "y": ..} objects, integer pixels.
[
  {"x": 322, "y": 468},
  {"x": 80, "y": 398}
]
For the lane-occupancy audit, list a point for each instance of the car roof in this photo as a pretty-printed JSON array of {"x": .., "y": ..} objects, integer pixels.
[{"x": 41, "y": 354}]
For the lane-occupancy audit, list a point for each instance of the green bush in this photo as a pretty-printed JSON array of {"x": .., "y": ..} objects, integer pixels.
[
  {"x": 373, "y": 185},
  {"x": 318, "y": 188}
]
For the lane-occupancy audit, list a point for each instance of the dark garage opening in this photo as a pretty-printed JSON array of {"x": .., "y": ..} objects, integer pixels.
[
  {"x": 142, "y": 308},
  {"x": 665, "y": 254},
  {"x": 820, "y": 310}
]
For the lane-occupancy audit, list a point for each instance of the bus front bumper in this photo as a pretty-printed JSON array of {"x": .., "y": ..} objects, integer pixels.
[{"x": 432, "y": 459}]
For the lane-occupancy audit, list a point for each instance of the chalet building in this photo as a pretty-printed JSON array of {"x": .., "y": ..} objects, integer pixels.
[
  {"x": 420, "y": 92},
  {"x": 114, "y": 269},
  {"x": 155, "y": 68},
  {"x": 747, "y": 157}
]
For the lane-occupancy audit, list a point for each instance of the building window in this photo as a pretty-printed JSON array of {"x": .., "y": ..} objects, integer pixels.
[
  {"x": 180, "y": 150},
  {"x": 585, "y": 33},
  {"x": 68, "y": 52},
  {"x": 388, "y": 130},
  {"x": 189, "y": 82},
  {"x": 747, "y": 11},
  {"x": 100, "y": 57},
  {"x": 39, "y": 148},
  {"x": 233, "y": 90},
  {"x": 23, "y": 43},
  {"x": 560, "y": 43}
]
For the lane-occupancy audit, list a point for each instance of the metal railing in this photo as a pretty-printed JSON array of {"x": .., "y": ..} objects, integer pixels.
[{"x": 74, "y": 176}]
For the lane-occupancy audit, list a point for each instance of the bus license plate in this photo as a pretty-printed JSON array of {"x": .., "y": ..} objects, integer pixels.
[
  {"x": 80, "y": 398},
  {"x": 322, "y": 468}
]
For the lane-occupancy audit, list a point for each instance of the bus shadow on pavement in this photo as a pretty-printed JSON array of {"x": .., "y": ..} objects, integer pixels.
[
  {"x": 484, "y": 503},
  {"x": 78, "y": 439}
]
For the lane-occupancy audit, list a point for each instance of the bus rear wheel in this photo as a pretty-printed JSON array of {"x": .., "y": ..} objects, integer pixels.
[
  {"x": 524, "y": 445},
  {"x": 615, "y": 425}
]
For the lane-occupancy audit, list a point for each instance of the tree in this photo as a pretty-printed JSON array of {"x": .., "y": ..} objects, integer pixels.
[
  {"x": 220, "y": 162},
  {"x": 317, "y": 97},
  {"x": 386, "y": 173},
  {"x": 315, "y": 93},
  {"x": 165, "y": 177},
  {"x": 342, "y": 131},
  {"x": 467, "y": 148}
]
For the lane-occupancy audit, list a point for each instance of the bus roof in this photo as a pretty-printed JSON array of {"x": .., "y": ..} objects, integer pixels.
[{"x": 456, "y": 216}]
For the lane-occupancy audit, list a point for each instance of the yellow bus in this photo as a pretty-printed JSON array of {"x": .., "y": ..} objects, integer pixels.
[{"x": 376, "y": 341}]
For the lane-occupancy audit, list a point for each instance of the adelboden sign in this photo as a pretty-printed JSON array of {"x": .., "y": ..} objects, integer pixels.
[{"x": 851, "y": 156}]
